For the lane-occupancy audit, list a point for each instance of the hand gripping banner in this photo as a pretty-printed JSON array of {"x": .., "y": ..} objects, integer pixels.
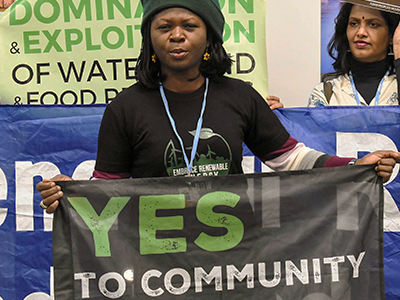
[{"x": 262, "y": 236}]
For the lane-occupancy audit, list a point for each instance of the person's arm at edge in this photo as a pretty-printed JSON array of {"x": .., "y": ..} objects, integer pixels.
[
  {"x": 396, "y": 50},
  {"x": 296, "y": 156}
]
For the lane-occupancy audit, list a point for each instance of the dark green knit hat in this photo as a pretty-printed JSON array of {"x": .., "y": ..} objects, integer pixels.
[{"x": 208, "y": 10}]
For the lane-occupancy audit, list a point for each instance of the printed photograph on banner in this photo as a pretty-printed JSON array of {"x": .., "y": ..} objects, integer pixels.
[
  {"x": 4, "y": 4},
  {"x": 392, "y": 6},
  {"x": 83, "y": 53}
]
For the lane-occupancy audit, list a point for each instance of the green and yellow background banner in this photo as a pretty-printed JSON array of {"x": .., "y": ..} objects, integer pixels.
[{"x": 84, "y": 52}]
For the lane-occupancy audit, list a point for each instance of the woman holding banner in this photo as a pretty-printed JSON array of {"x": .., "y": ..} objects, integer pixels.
[
  {"x": 366, "y": 50},
  {"x": 185, "y": 118}
]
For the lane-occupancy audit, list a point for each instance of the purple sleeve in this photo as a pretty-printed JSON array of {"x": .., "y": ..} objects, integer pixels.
[
  {"x": 106, "y": 175},
  {"x": 336, "y": 161},
  {"x": 288, "y": 145}
]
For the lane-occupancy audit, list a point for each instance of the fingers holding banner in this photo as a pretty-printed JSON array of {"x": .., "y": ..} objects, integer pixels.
[
  {"x": 385, "y": 160},
  {"x": 51, "y": 192},
  {"x": 274, "y": 102}
]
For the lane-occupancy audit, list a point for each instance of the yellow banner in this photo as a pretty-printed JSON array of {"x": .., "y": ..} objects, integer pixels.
[{"x": 74, "y": 52}]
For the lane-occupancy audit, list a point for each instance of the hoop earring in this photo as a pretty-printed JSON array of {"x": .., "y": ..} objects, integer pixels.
[
  {"x": 206, "y": 56},
  {"x": 154, "y": 58}
]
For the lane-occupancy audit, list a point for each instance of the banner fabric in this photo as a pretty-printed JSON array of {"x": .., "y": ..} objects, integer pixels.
[{"x": 263, "y": 236}]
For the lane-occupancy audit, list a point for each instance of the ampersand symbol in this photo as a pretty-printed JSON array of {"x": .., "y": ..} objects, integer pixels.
[
  {"x": 14, "y": 49},
  {"x": 17, "y": 101}
]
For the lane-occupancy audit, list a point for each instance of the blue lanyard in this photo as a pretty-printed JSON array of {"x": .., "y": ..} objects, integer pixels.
[
  {"x": 378, "y": 92},
  {"x": 189, "y": 165}
]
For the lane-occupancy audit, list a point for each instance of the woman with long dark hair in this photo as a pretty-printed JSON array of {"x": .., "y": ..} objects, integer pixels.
[{"x": 366, "y": 52}]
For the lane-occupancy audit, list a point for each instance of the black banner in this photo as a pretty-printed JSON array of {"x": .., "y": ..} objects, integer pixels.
[{"x": 314, "y": 234}]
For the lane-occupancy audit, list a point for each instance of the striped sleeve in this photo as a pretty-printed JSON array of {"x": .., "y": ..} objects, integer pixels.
[{"x": 296, "y": 156}]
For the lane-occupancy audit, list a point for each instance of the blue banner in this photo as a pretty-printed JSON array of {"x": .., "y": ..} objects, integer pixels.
[
  {"x": 36, "y": 142},
  {"x": 43, "y": 141}
]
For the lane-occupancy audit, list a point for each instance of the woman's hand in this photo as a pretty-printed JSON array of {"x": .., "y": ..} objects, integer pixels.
[
  {"x": 396, "y": 42},
  {"x": 385, "y": 160},
  {"x": 51, "y": 192},
  {"x": 274, "y": 102}
]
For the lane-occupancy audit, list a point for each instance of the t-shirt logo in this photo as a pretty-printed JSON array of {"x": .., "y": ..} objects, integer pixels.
[{"x": 209, "y": 163}]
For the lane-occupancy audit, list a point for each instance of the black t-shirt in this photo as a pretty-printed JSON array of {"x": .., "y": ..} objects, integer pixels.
[{"x": 136, "y": 135}]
